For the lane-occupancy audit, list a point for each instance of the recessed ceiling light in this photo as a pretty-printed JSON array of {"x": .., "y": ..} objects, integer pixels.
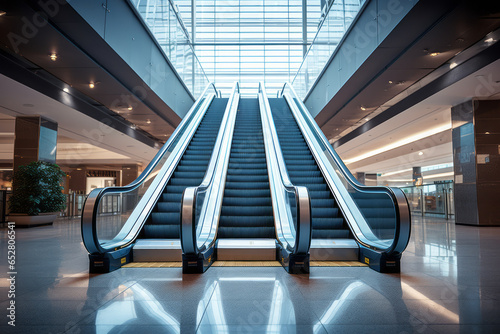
[
  {"x": 133, "y": 126},
  {"x": 66, "y": 89},
  {"x": 420, "y": 153},
  {"x": 362, "y": 108},
  {"x": 53, "y": 56},
  {"x": 453, "y": 65},
  {"x": 148, "y": 121},
  {"x": 2, "y": 13},
  {"x": 486, "y": 133},
  {"x": 489, "y": 40},
  {"x": 390, "y": 81},
  {"x": 434, "y": 54},
  {"x": 130, "y": 108},
  {"x": 367, "y": 119},
  {"x": 91, "y": 84}
]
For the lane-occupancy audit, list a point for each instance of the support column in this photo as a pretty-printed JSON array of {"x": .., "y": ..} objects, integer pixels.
[
  {"x": 417, "y": 177},
  {"x": 360, "y": 176},
  {"x": 476, "y": 161},
  {"x": 129, "y": 174},
  {"x": 371, "y": 179},
  {"x": 368, "y": 179},
  {"x": 35, "y": 140}
]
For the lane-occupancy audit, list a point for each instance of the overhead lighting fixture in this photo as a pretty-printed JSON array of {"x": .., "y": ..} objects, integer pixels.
[
  {"x": 400, "y": 143},
  {"x": 53, "y": 56},
  {"x": 2, "y": 13},
  {"x": 92, "y": 84},
  {"x": 396, "y": 172},
  {"x": 362, "y": 108},
  {"x": 130, "y": 108},
  {"x": 367, "y": 119},
  {"x": 438, "y": 175},
  {"x": 453, "y": 65},
  {"x": 434, "y": 54},
  {"x": 489, "y": 40},
  {"x": 66, "y": 89},
  {"x": 133, "y": 126},
  {"x": 420, "y": 153},
  {"x": 487, "y": 133},
  {"x": 148, "y": 121},
  {"x": 390, "y": 81}
]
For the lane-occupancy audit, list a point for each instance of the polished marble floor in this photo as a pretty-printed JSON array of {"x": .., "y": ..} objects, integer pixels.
[{"x": 449, "y": 283}]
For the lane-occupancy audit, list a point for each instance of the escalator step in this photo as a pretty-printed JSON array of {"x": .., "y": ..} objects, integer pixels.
[{"x": 246, "y": 207}]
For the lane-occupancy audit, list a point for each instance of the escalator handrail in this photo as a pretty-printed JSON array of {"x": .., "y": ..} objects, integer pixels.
[
  {"x": 278, "y": 171},
  {"x": 403, "y": 221},
  {"x": 216, "y": 172},
  {"x": 91, "y": 204}
]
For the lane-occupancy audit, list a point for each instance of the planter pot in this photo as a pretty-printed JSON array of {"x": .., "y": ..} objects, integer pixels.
[{"x": 24, "y": 220}]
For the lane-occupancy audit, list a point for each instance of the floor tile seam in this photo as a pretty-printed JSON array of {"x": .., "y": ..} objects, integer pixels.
[
  {"x": 95, "y": 311},
  {"x": 206, "y": 306}
]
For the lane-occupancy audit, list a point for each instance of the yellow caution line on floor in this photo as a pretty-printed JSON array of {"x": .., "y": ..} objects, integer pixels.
[
  {"x": 153, "y": 265},
  {"x": 337, "y": 264},
  {"x": 244, "y": 264}
]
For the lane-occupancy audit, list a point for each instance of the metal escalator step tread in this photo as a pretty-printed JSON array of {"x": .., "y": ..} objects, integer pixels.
[
  {"x": 247, "y": 210},
  {"x": 246, "y": 232}
]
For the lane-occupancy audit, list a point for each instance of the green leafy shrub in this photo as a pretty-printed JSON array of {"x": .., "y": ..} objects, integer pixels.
[{"x": 37, "y": 189}]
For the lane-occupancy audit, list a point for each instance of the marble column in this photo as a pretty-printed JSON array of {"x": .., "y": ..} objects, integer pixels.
[
  {"x": 476, "y": 160},
  {"x": 35, "y": 140}
]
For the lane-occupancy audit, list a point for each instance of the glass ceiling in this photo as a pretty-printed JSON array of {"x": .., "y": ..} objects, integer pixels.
[
  {"x": 250, "y": 40},
  {"x": 244, "y": 40}
]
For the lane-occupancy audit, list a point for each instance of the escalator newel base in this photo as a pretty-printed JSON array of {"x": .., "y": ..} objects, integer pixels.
[
  {"x": 380, "y": 261},
  {"x": 193, "y": 264},
  {"x": 293, "y": 264},
  {"x": 110, "y": 261}
]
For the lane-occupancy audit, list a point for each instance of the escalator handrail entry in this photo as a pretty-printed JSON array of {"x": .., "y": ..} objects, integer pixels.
[
  {"x": 275, "y": 160},
  {"x": 216, "y": 171},
  {"x": 92, "y": 201},
  {"x": 403, "y": 221}
]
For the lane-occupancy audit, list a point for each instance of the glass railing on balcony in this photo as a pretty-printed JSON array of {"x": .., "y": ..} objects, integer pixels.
[
  {"x": 336, "y": 24},
  {"x": 163, "y": 20}
]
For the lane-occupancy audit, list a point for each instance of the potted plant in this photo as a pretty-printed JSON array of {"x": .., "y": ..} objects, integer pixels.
[{"x": 37, "y": 194}]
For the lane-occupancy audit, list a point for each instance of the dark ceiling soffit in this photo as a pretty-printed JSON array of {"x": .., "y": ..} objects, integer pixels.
[
  {"x": 155, "y": 40},
  {"x": 458, "y": 73},
  {"x": 11, "y": 68},
  {"x": 36, "y": 7},
  {"x": 388, "y": 65}
]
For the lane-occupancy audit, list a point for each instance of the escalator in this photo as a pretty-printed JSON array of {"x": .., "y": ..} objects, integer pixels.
[
  {"x": 349, "y": 221},
  {"x": 246, "y": 208},
  {"x": 327, "y": 219},
  {"x": 147, "y": 228},
  {"x": 246, "y": 223},
  {"x": 164, "y": 221}
]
